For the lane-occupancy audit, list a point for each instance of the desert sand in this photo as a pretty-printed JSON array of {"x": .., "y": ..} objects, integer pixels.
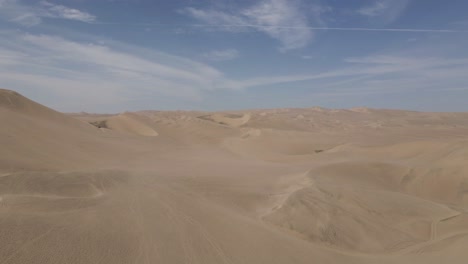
[{"x": 310, "y": 185}]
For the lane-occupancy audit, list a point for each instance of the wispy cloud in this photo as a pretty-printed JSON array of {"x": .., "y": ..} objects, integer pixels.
[
  {"x": 377, "y": 8},
  {"x": 31, "y": 15},
  {"x": 60, "y": 11},
  {"x": 221, "y": 55},
  {"x": 373, "y": 78},
  {"x": 279, "y": 19},
  {"x": 273, "y": 13},
  {"x": 418, "y": 69},
  {"x": 249, "y": 27},
  {"x": 78, "y": 72},
  {"x": 287, "y": 21},
  {"x": 414, "y": 30},
  {"x": 320, "y": 13},
  {"x": 102, "y": 77},
  {"x": 215, "y": 17},
  {"x": 384, "y": 11}
]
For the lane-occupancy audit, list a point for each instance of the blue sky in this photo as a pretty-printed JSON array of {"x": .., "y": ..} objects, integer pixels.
[{"x": 118, "y": 55}]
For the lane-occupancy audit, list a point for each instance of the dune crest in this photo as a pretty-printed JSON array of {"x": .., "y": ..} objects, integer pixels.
[
  {"x": 129, "y": 123},
  {"x": 232, "y": 120}
]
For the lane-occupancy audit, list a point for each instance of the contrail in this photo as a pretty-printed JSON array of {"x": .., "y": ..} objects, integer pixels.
[
  {"x": 290, "y": 27},
  {"x": 345, "y": 28}
]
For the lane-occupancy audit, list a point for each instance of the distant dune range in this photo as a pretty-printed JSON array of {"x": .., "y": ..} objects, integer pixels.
[{"x": 309, "y": 185}]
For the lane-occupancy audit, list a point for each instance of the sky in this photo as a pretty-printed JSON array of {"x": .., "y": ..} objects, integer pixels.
[{"x": 111, "y": 56}]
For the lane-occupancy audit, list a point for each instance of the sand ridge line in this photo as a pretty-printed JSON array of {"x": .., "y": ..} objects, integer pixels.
[{"x": 301, "y": 181}]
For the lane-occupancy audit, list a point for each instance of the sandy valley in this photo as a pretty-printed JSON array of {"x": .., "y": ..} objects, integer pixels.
[{"x": 309, "y": 185}]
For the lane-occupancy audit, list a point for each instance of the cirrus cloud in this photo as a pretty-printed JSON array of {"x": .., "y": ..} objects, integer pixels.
[
  {"x": 88, "y": 75},
  {"x": 384, "y": 11},
  {"x": 31, "y": 15},
  {"x": 281, "y": 20}
]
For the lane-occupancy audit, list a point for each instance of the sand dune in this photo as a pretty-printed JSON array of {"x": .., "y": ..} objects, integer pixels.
[
  {"x": 233, "y": 120},
  {"x": 126, "y": 123},
  {"x": 343, "y": 201},
  {"x": 308, "y": 185}
]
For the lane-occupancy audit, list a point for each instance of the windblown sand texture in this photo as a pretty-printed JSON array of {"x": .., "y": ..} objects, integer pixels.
[{"x": 260, "y": 186}]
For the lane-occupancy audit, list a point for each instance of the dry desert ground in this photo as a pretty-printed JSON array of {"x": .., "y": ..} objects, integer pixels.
[{"x": 272, "y": 186}]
